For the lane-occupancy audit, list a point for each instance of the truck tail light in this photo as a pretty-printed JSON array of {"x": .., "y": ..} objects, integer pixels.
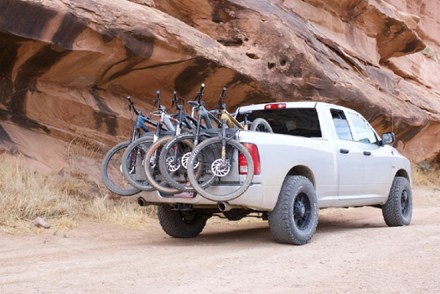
[
  {"x": 253, "y": 150},
  {"x": 275, "y": 106}
]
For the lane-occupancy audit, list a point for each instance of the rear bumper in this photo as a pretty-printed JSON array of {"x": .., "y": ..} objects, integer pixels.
[{"x": 253, "y": 198}]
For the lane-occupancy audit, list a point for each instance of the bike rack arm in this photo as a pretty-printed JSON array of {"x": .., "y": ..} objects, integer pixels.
[
  {"x": 200, "y": 93},
  {"x": 221, "y": 99}
]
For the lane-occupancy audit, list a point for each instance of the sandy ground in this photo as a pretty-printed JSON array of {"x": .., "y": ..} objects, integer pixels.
[{"x": 352, "y": 252}]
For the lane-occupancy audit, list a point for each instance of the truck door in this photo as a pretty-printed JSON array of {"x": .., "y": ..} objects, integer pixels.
[
  {"x": 377, "y": 168},
  {"x": 349, "y": 157}
]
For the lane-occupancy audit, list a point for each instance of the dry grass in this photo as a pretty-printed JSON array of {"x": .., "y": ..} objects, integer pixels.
[
  {"x": 62, "y": 200},
  {"x": 425, "y": 174}
]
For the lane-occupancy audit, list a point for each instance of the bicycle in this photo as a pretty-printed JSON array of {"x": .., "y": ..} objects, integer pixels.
[
  {"x": 173, "y": 159},
  {"x": 217, "y": 156},
  {"x": 152, "y": 159},
  {"x": 142, "y": 145},
  {"x": 112, "y": 164}
]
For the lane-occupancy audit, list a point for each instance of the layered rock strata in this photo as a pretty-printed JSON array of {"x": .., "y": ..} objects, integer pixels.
[{"x": 66, "y": 66}]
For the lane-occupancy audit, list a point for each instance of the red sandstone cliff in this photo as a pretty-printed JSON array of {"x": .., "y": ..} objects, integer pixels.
[{"x": 67, "y": 65}]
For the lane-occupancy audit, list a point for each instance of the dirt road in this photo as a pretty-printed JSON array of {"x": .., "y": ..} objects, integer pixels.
[{"x": 352, "y": 252}]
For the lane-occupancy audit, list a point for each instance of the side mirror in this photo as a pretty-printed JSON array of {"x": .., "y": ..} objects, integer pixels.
[{"x": 388, "y": 138}]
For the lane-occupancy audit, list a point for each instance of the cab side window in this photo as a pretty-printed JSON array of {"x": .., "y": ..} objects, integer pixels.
[
  {"x": 341, "y": 125},
  {"x": 362, "y": 131}
]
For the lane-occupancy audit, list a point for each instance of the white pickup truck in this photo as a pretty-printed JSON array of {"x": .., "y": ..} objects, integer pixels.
[{"x": 320, "y": 155}]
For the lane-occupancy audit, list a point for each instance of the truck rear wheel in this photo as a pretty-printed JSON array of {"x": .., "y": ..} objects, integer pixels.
[
  {"x": 181, "y": 223},
  {"x": 295, "y": 216},
  {"x": 397, "y": 211}
]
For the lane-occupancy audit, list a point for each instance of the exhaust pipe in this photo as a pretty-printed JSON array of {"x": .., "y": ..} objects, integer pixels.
[
  {"x": 142, "y": 202},
  {"x": 224, "y": 206}
]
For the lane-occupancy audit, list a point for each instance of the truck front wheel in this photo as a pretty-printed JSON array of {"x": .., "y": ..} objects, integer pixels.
[
  {"x": 181, "y": 223},
  {"x": 397, "y": 211},
  {"x": 295, "y": 216}
]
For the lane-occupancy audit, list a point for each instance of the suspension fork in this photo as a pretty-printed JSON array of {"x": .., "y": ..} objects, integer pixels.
[
  {"x": 176, "y": 149},
  {"x": 199, "y": 122},
  {"x": 223, "y": 150},
  {"x": 157, "y": 135}
]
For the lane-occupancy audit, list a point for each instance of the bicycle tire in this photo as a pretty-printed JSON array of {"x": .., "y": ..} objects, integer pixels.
[
  {"x": 207, "y": 153},
  {"x": 140, "y": 147},
  {"x": 261, "y": 125},
  {"x": 177, "y": 176},
  {"x": 151, "y": 167},
  {"x": 111, "y": 166}
]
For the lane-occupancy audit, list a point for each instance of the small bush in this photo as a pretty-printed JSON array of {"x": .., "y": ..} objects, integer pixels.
[{"x": 429, "y": 52}]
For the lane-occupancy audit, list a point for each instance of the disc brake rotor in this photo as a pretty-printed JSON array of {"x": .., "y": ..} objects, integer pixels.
[
  {"x": 220, "y": 168},
  {"x": 172, "y": 164},
  {"x": 185, "y": 159}
]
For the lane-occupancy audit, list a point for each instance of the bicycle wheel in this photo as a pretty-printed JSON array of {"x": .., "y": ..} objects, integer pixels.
[
  {"x": 151, "y": 167},
  {"x": 261, "y": 125},
  {"x": 173, "y": 162},
  {"x": 111, "y": 171},
  {"x": 228, "y": 184},
  {"x": 135, "y": 153}
]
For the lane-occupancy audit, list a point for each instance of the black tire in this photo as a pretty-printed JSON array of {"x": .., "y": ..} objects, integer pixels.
[
  {"x": 208, "y": 155},
  {"x": 295, "y": 216},
  {"x": 152, "y": 170},
  {"x": 181, "y": 224},
  {"x": 397, "y": 211},
  {"x": 138, "y": 149},
  {"x": 179, "y": 148},
  {"x": 111, "y": 172},
  {"x": 261, "y": 125}
]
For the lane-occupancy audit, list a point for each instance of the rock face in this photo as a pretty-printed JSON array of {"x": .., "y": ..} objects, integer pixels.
[{"x": 66, "y": 66}]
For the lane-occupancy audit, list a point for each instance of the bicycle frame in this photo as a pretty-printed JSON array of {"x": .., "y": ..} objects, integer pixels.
[
  {"x": 141, "y": 121},
  {"x": 230, "y": 121}
]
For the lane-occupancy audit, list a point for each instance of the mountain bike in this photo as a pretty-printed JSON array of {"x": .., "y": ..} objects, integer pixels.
[
  {"x": 165, "y": 126},
  {"x": 173, "y": 159},
  {"x": 152, "y": 158},
  {"x": 112, "y": 164},
  {"x": 218, "y": 156}
]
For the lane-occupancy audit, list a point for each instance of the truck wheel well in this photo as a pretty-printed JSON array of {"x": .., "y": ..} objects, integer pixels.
[
  {"x": 402, "y": 173},
  {"x": 302, "y": 170}
]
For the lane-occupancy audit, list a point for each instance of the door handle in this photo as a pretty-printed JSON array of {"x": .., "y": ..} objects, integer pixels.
[
  {"x": 344, "y": 151},
  {"x": 367, "y": 153}
]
